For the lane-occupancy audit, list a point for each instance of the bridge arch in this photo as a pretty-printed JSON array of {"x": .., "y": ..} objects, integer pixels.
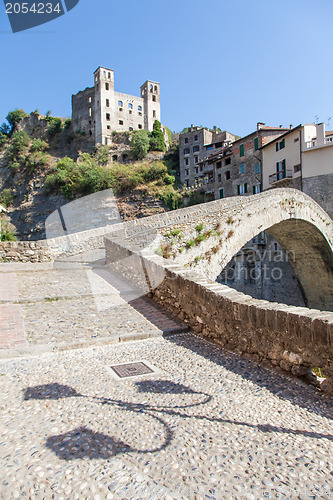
[{"x": 295, "y": 220}]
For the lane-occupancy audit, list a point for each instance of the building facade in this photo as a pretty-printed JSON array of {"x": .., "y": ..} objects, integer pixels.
[
  {"x": 100, "y": 110},
  {"x": 302, "y": 158}
]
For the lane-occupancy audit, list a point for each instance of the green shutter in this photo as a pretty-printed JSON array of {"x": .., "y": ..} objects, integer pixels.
[
  {"x": 254, "y": 189},
  {"x": 241, "y": 150},
  {"x": 277, "y": 146},
  {"x": 277, "y": 166},
  {"x": 283, "y": 143},
  {"x": 238, "y": 189},
  {"x": 245, "y": 187},
  {"x": 256, "y": 143},
  {"x": 221, "y": 193}
]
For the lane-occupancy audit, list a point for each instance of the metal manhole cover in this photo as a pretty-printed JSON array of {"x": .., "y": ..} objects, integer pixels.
[{"x": 131, "y": 369}]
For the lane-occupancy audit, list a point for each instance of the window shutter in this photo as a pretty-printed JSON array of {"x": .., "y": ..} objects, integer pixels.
[
  {"x": 256, "y": 143},
  {"x": 260, "y": 188},
  {"x": 277, "y": 146},
  {"x": 245, "y": 187},
  {"x": 283, "y": 143},
  {"x": 254, "y": 189},
  {"x": 241, "y": 150},
  {"x": 277, "y": 166},
  {"x": 238, "y": 189}
]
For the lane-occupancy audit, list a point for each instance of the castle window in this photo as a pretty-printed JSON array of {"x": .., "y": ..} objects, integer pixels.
[
  {"x": 227, "y": 175},
  {"x": 196, "y": 159},
  {"x": 130, "y": 105},
  {"x": 131, "y": 129},
  {"x": 108, "y": 116},
  {"x": 155, "y": 89},
  {"x": 218, "y": 164},
  {"x": 107, "y": 86},
  {"x": 186, "y": 151},
  {"x": 107, "y": 103},
  {"x": 89, "y": 99},
  {"x": 195, "y": 149},
  {"x": 109, "y": 75},
  {"x": 195, "y": 137},
  {"x": 140, "y": 114},
  {"x": 139, "y": 108},
  {"x": 186, "y": 161},
  {"x": 186, "y": 171},
  {"x": 219, "y": 177},
  {"x": 89, "y": 111},
  {"x": 130, "y": 112},
  {"x": 186, "y": 140},
  {"x": 140, "y": 126},
  {"x": 120, "y": 103},
  {"x": 120, "y": 109},
  {"x": 227, "y": 161},
  {"x": 121, "y": 122},
  {"x": 106, "y": 141},
  {"x": 108, "y": 127},
  {"x": 187, "y": 183},
  {"x": 196, "y": 170},
  {"x": 154, "y": 98},
  {"x": 154, "y": 113},
  {"x": 151, "y": 88}
]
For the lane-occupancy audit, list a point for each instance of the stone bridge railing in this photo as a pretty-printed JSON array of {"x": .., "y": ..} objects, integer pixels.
[{"x": 294, "y": 339}]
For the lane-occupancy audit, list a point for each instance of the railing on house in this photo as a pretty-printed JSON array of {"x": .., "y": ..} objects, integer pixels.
[{"x": 281, "y": 175}]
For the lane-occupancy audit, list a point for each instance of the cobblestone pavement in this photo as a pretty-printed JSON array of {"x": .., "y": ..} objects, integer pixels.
[
  {"x": 208, "y": 424},
  {"x": 71, "y": 304}
]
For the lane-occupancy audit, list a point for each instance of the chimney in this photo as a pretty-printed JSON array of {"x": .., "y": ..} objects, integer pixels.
[
  {"x": 291, "y": 126},
  {"x": 260, "y": 125}
]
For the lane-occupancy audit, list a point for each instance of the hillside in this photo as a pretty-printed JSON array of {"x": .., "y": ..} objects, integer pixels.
[{"x": 44, "y": 165}]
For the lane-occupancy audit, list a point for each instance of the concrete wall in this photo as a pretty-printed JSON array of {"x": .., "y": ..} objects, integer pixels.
[{"x": 318, "y": 161}]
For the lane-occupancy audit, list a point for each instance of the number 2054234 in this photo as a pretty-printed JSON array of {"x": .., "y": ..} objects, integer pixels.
[{"x": 35, "y": 8}]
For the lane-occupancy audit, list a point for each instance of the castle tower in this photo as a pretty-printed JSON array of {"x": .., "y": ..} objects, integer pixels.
[
  {"x": 104, "y": 104},
  {"x": 150, "y": 92}
]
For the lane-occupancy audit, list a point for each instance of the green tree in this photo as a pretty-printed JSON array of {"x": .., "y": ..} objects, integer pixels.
[
  {"x": 55, "y": 126},
  {"x": 102, "y": 155},
  {"x": 20, "y": 141},
  {"x": 14, "y": 117},
  {"x": 156, "y": 139},
  {"x": 140, "y": 144},
  {"x": 6, "y": 197}
]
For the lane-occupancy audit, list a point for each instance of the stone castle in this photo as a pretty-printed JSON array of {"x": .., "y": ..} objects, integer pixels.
[{"x": 99, "y": 110}]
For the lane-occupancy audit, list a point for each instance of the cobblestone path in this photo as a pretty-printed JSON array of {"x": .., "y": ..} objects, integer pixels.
[{"x": 208, "y": 424}]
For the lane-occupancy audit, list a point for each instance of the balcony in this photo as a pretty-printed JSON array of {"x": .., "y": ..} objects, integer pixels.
[{"x": 281, "y": 177}]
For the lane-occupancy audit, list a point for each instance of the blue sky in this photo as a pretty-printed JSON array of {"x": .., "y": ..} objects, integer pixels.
[{"x": 221, "y": 63}]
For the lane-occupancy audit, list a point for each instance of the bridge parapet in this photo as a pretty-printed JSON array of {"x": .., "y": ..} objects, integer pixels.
[{"x": 293, "y": 339}]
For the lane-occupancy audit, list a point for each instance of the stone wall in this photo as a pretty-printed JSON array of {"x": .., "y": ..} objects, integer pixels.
[{"x": 294, "y": 339}]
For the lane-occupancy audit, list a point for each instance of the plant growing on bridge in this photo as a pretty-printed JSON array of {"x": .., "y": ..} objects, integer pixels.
[
  {"x": 190, "y": 243},
  {"x": 199, "y": 227},
  {"x": 230, "y": 220},
  {"x": 199, "y": 239}
]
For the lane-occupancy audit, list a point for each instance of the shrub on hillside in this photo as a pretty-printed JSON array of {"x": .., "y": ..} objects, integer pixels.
[
  {"x": 7, "y": 234},
  {"x": 102, "y": 155},
  {"x": 156, "y": 138},
  {"x": 140, "y": 144},
  {"x": 3, "y": 140},
  {"x": 14, "y": 117},
  {"x": 18, "y": 144},
  {"x": 39, "y": 145},
  {"x": 6, "y": 197},
  {"x": 55, "y": 126}
]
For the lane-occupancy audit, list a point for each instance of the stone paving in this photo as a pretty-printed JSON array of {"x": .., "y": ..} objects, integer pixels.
[
  {"x": 67, "y": 304},
  {"x": 209, "y": 425}
]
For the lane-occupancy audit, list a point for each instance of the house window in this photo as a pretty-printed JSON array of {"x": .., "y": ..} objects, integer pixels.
[
  {"x": 218, "y": 145},
  {"x": 120, "y": 109},
  {"x": 120, "y": 103},
  {"x": 129, "y": 111},
  {"x": 186, "y": 140},
  {"x": 187, "y": 183},
  {"x": 227, "y": 161},
  {"x": 218, "y": 164},
  {"x": 257, "y": 189},
  {"x": 256, "y": 143},
  {"x": 241, "y": 150},
  {"x": 186, "y": 151},
  {"x": 296, "y": 139},
  {"x": 195, "y": 137},
  {"x": 242, "y": 188},
  {"x": 140, "y": 126},
  {"x": 109, "y": 75},
  {"x": 280, "y": 145},
  {"x": 108, "y": 127},
  {"x": 196, "y": 159},
  {"x": 186, "y": 161},
  {"x": 154, "y": 98},
  {"x": 196, "y": 170},
  {"x": 107, "y": 86},
  {"x": 196, "y": 148},
  {"x": 257, "y": 169},
  {"x": 121, "y": 122},
  {"x": 219, "y": 177},
  {"x": 130, "y": 105},
  {"x": 107, "y": 103},
  {"x": 208, "y": 148},
  {"x": 280, "y": 170},
  {"x": 89, "y": 99},
  {"x": 155, "y": 89},
  {"x": 140, "y": 114},
  {"x": 297, "y": 168},
  {"x": 227, "y": 175},
  {"x": 221, "y": 193},
  {"x": 242, "y": 168},
  {"x": 108, "y": 116}
]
